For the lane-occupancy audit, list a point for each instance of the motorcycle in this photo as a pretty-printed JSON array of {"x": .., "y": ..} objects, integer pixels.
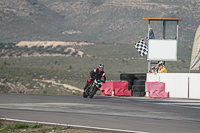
[
  {"x": 87, "y": 90},
  {"x": 92, "y": 88}
]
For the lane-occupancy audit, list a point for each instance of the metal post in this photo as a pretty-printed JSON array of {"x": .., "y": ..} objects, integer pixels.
[
  {"x": 149, "y": 62},
  {"x": 188, "y": 87},
  {"x": 164, "y": 29},
  {"x": 177, "y": 32},
  {"x": 149, "y": 65},
  {"x": 148, "y": 28}
]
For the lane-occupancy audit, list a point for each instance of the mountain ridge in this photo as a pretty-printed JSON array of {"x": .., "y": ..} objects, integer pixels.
[{"x": 98, "y": 21}]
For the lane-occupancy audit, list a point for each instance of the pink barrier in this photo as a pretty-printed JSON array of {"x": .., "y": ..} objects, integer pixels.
[
  {"x": 103, "y": 93},
  {"x": 122, "y": 92},
  {"x": 120, "y": 88},
  {"x": 158, "y": 94},
  {"x": 154, "y": 85},
  {"x": 156, "y": 90},
  {"x": 106, "y": 88}
]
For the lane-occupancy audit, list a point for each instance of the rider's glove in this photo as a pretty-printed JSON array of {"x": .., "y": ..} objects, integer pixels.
[{"x": 102, "y": 81}]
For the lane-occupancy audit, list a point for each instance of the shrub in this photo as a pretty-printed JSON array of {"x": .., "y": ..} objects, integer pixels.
[
  {"x": 74, "y": 53},
  {"x": 36, "y": 126},
  {"x": 70, "y": 67},
  {"x": 20, "y": 126},
  {"x": 68, "y": 51}
]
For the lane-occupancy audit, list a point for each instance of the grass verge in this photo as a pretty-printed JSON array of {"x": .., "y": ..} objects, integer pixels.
[{"x": 13, "y": 127}]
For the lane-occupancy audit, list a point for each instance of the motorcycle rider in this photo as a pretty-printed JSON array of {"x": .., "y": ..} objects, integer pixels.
[{"x": 98, "y": 74}]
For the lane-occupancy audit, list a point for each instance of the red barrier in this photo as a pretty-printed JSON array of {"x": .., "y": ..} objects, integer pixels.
[
  {"x": 154, "y": 85},
  {"x": 158, "y": 94},
  {"x": 106, "y": 88},
  {"x": 156, "y": 90},
  {"x": 103, "y": 93},
  {"x": 120, "y": 88}
]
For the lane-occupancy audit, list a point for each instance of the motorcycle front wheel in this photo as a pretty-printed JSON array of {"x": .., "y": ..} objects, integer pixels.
[{"x": 92, "y": 92}]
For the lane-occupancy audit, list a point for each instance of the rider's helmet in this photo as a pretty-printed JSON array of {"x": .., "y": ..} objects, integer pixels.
[{"x": 101, "y": 67}]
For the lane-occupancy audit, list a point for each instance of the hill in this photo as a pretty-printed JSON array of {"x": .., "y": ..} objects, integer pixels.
[
  {"x": 100, "y": 21},
  {"x": 56, "y": 69}
]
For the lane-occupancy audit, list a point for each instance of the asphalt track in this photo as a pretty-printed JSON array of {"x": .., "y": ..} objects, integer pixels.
[{"x": 122, "y": 114}]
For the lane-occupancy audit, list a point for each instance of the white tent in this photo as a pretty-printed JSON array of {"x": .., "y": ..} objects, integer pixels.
[{"x": 195, "y": 57}]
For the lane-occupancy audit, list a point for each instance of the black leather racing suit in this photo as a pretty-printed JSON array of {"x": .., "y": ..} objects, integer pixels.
[{"x": 96, "y": 74}]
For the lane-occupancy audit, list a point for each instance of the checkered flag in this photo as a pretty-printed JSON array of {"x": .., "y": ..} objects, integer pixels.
[{"x": 141, "y": 47}]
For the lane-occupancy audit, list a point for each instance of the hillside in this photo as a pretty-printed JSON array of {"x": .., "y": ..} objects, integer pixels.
[
  {"x": 28, "y": 20},
  {"x": 100, "y": 21},
  {"x": 47, "y": 68}
]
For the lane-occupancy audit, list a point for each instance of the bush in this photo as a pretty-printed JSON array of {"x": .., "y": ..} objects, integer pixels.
[
  {"x": 97, "y": 2},
  {"x": 74, "y": 53},
  {"x": 17, "y": 126},
  {"x": 68, "y": 51},
  {"x": 25, "y": 48},
  {"x": 62, "y": 50},
  {"x": 31, "y": 52},
  {"x": 20, "y": 126},
  {"x": 70, "y": 67},
  {"x": 36, "y": 126}
]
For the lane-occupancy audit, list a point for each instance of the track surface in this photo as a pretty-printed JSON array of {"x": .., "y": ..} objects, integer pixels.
[{"x": 130, "y": 114}]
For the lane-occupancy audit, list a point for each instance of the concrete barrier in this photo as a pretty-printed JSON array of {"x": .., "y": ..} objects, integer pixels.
[
  {"x": 194, "y": 86},
  {"x": 176, "y": 84},
  {"x": 179, "y": 85}
]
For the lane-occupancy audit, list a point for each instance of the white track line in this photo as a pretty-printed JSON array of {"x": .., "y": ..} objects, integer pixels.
[{"x": 74, "y": 126}]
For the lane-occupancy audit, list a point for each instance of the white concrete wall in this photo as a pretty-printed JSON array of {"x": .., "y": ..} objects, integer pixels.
[
  {"x": 194, "y": 86},
  {"x": 176, "y": 84},
  {"x": 179, "y": 85},
  {"x": 153, "y": 77}
]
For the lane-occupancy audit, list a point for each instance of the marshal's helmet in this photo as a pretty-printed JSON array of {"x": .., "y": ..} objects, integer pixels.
[{"x": 101, "y": 67}]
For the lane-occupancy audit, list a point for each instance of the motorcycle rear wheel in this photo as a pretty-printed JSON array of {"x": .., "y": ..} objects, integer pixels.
[{"x": 86, "y": 91}]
